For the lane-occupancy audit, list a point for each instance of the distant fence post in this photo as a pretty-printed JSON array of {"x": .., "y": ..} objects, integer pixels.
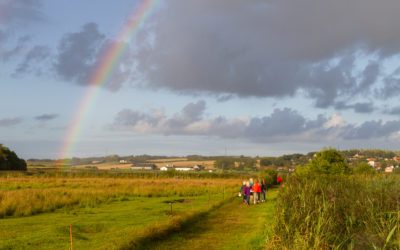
[
  {"x": 223, "y": 193},
  {"x": 70, "y": 235},
  {"x": 208, "y": 197},
  {"x": 171, "y": 209}
]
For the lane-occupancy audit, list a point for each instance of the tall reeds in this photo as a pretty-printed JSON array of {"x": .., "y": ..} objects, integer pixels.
[{"x": 338, "y": 212}]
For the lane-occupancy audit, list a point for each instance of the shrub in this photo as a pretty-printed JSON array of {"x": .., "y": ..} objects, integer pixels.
[
  {"x": 327, "y": 162},
  {"x": 269, "y": 175},
  {"x": 364, "y": 168},
  {"x": 9, "y": 160}
]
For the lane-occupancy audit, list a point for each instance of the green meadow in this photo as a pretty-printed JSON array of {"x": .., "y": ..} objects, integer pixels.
[
  {"x": 326, "y": 204},
  {"x": 127, "y": 213}
]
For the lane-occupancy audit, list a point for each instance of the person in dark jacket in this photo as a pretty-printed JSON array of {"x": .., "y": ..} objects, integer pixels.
[
  {"x": 263, "y": 190},
  {"x": 246, "y": 192}
]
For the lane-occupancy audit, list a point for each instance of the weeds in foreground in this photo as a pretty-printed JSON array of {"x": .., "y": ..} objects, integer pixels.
[{"x": 338, "y": 212}]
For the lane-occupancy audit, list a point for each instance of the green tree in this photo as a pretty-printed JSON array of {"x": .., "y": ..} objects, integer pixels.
[
  {"x": 224, "y": 163},
  {"x": 266, "y": 161},
  {"x": 247, "y": 164},
  {"x": 328, "y": 161},
  {"x": 364, "y": 168},
  {"x": 9, "y": 160}
]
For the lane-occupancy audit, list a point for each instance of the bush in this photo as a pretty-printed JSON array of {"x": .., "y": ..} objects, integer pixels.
[
  {"x": 9, "y": 160},
  {"x": 269, "y": 175},
  {"x": 364, "y": 168},
  {"x": 327, "y": 162}
]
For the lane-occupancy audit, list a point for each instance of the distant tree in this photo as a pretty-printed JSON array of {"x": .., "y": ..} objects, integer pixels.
[
  {"x": 266, "y": 161},
  {"x": 247, "y": 164},
  {"x": 364, "y": 168},
  {"x": 224, "y": 163},
  {"x": 9, "y": 160},
  {"x": 328, "y": 161}
]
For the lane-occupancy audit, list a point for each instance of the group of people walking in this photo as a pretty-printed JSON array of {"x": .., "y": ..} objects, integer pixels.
[{"x": 253, "y": 191}]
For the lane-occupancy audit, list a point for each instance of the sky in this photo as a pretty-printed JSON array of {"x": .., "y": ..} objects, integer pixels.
[{"x": 210, "y": 77}]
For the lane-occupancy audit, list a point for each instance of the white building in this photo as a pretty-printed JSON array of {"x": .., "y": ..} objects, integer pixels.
[
  {"x": 371, "y": 162},
  {"x": 166, "y": 167},
  {"x": 389, "y": 169}
]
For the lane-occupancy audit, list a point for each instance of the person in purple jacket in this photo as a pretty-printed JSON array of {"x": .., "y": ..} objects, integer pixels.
[{"x": 246, "y": 192}]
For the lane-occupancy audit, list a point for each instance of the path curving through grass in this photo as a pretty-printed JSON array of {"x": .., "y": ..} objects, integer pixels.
[{"x": 230, "y": 226}]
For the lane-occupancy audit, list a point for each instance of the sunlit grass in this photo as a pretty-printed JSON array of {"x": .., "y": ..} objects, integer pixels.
[
  {"x": 24, "y": 196},
  {"x": 104, "y": 212},
  {"x": 338, "y": 212}
]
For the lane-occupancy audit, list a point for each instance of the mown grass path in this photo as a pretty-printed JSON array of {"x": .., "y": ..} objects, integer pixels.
[{"x": 231, "y": 226}]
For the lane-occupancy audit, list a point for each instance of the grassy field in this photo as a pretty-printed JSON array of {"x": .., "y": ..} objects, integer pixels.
[
  {"x": 29, "y": 195},
  {"x": 105, "y": 213},
  {"x": 232, "y": 225}
]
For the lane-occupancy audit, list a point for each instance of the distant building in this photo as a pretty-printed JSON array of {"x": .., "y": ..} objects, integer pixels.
[
  {"x": 123, "y": 161},
  {"x": 198, "y": 167},
  {"x": 397, "y": 159},
  {"x": 184, "y": 169},
  {"x": 371, "y": 162},
  {"x": 166, "y": 167},
  {"x": 144, "y": 167},
  {"x": 280, "y": 168},
  {"x": 389, "y": 169}
]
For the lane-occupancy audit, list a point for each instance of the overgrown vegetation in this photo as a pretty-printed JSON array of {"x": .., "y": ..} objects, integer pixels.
[
  {"x": 9, "y": 160},
  {"x": 324, "y": 206},
  {"x": 338, "y": 211}
]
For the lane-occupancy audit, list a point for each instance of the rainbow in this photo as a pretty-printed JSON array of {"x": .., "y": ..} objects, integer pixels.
[{"x": 102, "y": 73}]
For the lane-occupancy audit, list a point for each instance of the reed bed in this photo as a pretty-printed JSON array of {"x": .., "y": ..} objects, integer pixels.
[
  {"x": 29, "y": 195},
  {"x": 320, "y": 212}
]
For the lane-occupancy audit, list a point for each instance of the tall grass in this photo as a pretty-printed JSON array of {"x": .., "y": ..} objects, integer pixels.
[
  {"x": 124, "y": 173},
  {"x": 28, "y": 195},
  {"x": 338, "y": 212}
]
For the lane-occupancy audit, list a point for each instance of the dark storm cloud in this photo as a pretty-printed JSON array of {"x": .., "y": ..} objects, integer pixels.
[
  {"x": 391, "y": 85},
  {"x": 78, "y": 52},
  {"x": 271, "y": 48},
  {"x": 359, "y": 107},
  {"x": 9, "y": 122},
  {"x": 281, "y": 122},
  {"x": 46, "y": 117},
  {"x": 371, "y": 129},
  {"x": 189, "y": 121},
  {"x": 393, "y": 111},
  {"x": 282, "y": 125},
  {"x": 363, "y": 107}
]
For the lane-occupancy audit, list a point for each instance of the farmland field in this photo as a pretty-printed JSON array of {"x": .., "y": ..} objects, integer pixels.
[{"x": 108, "y": 212}]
